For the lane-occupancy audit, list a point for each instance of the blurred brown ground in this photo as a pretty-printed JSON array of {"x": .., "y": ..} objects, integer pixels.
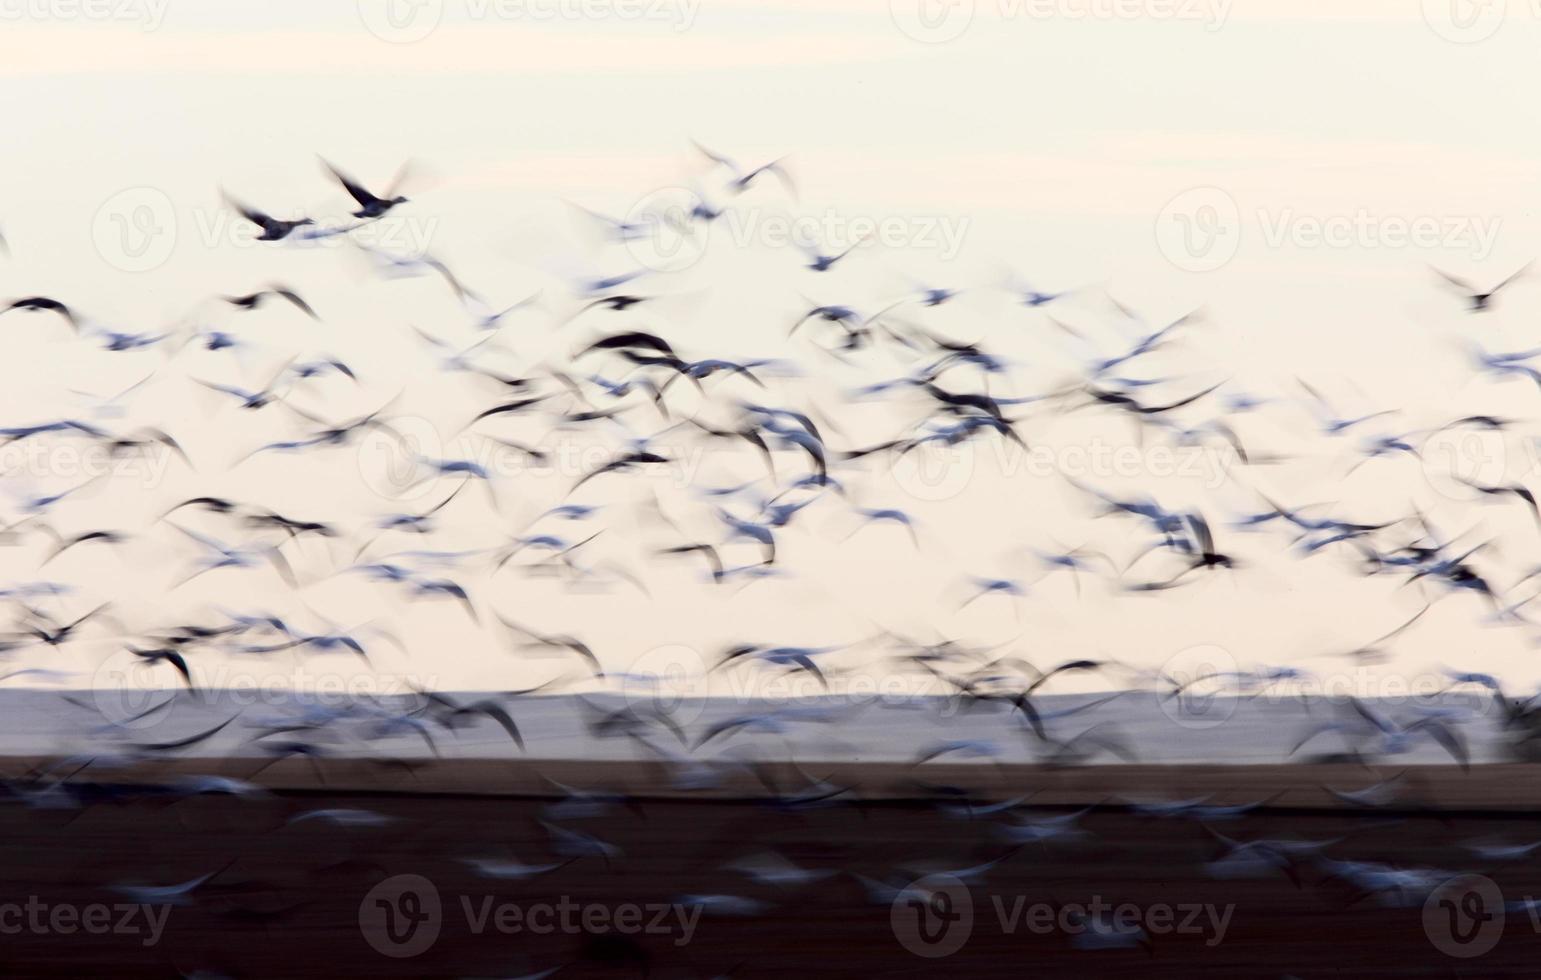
[{"x": 286, "y": 900}]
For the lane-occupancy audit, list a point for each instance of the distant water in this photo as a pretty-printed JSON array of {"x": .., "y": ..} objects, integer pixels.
[{"x": 1262, "y": 730}]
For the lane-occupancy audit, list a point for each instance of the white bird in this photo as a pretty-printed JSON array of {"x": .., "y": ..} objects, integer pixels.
[
  {"x": 344, "y": 817},
  {"x": 731, "y": 905},
  {"x": 178, "y": 894},
  {"x": 510, "y": 870},
  {"x": 770, "y": 868}
]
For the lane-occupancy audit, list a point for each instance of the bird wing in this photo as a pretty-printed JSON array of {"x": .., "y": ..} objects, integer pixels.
[{"x": 354, "y": 189}]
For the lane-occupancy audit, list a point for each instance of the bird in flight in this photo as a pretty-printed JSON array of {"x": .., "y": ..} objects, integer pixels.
[
  {"x": 370, "y": 206},
  {"x": 1481, "y": 299},
  {"x": 273, "y": 229}
]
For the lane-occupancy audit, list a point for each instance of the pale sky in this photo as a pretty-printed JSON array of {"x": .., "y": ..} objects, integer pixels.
[{"x": 1342, "y": 148}]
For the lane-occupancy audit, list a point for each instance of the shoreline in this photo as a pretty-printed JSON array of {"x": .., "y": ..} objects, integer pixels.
[{"x": 1135, "y": 729}]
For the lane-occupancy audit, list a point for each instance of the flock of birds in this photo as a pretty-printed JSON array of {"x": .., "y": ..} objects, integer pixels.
[{"x": 628, "y": 382}]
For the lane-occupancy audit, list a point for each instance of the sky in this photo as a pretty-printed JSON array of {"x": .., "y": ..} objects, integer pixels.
[
  {"x": 1062, "y": 131},
  {"x": 1295, "y": 170}
]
